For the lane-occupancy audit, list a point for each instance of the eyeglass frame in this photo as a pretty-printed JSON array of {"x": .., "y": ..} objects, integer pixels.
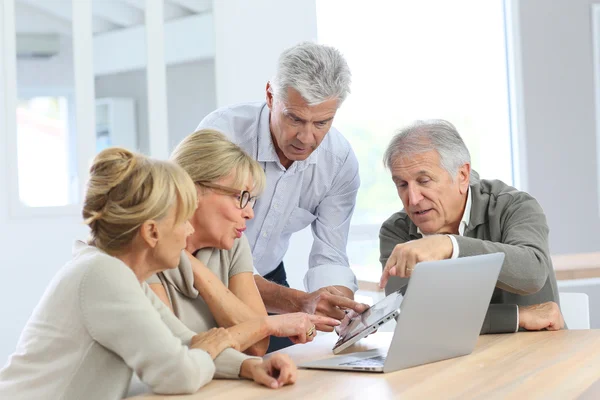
[{"x": 243, "y": 194}]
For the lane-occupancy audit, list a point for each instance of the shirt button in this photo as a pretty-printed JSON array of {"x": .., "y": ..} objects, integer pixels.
[{"x": 264, "y": 234}]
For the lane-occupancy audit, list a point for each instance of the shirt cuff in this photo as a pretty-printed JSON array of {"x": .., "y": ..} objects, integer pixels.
[
  {"x": 454, "y": 247},
  {"x": 517, "y": 328},
  {"x": 321, "y": 276}
]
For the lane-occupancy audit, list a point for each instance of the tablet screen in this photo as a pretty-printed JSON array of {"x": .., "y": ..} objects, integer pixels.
[{"x": 353, "y": 327}]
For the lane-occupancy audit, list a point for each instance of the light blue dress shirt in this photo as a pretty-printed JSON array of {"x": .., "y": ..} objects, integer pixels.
[{"x": 319, "y": 191}]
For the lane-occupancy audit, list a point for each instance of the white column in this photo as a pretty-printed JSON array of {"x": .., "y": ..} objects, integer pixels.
[
  {"x": 249, "y": 37},
  {"x": 8, "y": 103},
  {"x": 156, "y": 75},
  {"x": 83, "y": 69}
]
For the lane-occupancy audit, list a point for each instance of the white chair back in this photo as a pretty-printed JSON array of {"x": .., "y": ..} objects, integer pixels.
[{"x": 575, "y": 308}]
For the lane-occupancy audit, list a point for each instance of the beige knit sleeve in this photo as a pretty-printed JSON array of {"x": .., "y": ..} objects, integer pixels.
[{"x": 119, "y": 316}]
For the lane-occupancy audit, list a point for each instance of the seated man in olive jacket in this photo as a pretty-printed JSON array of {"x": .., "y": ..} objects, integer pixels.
[{"x": 449, "y": 212}]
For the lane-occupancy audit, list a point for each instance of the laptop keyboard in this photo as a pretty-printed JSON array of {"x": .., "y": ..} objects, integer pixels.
[{"x": 376, "y": 361}]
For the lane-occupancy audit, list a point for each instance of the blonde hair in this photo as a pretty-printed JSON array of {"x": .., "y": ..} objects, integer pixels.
[
  {"x": 126, "y": 189},
  {"x": 208, "y": 156}
]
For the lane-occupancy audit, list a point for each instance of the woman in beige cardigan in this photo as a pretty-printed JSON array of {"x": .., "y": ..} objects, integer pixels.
[
  {"x": 98, "y": 321},
  {"x": 214, "y": 283}
]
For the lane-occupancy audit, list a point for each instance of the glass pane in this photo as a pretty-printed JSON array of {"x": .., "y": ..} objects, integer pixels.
[
  {"x": 191, "y": 90},
  {"x": 120, "y": 74},
  {"x": 424, "y": 65},
  {"x": 47, "y": 174},
  {"x": 43, "y": 151},
  {"x": 417, "y": 60}
]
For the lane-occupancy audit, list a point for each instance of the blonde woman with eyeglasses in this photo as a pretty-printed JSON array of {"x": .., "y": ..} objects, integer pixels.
[
  {"x": 214, "y": 284},
  {"x": 98, "y": 321}
]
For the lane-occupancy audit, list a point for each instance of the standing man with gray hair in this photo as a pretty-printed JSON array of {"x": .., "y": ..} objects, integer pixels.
[
  {"x": 312, "y": 179},
  {"x": 449, "y": 213}
]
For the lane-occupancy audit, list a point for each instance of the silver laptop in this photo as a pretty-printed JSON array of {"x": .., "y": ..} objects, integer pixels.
[{"x": 440, "y": 316}]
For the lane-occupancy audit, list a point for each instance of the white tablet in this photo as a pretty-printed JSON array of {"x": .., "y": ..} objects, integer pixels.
[{"x": 362, "y": 325}]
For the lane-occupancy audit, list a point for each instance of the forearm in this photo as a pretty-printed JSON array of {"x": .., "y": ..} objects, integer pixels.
[
  {"x": 252, "y": 335},
  {"x": 525, "y": 268},
  {"x": 227, "y": 309},
  {"x": 279, "y": 299}
]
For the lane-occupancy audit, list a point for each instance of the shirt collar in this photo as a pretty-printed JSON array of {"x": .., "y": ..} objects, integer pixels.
[
  {"x": 464, "y": 221},
  {"x": 266, "y": 149}
]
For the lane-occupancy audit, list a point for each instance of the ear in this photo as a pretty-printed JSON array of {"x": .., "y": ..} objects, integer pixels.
[
  {"x": 464, "y": 176},
  {"x": 269, "y": 90},
  {"x": 149, "y": 233}
]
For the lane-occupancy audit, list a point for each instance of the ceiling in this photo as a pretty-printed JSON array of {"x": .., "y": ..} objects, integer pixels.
[{"x": 54, "y": 16}]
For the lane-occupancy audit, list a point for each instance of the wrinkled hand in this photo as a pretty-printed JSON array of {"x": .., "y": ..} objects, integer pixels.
[
  {"x": 541, "y": 316},
  {"x": 214, "y": 341},
  {"x": 297, "y": 325},
  {"x": 275, "y": 372},
  {"x": 330, "y": 302},
  {"x": 405, "y": 256}
]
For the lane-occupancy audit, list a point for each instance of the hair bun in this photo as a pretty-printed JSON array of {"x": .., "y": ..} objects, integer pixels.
[{"x": 109, "y": 168}]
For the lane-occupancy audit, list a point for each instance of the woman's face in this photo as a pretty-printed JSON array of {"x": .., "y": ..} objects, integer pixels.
[
  {"x": 219, "y": 220},
  {"x": 172, "y": 239}
]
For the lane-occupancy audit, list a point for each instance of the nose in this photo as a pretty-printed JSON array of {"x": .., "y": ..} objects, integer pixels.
[
  {"x": 248, "y": 212},
  {"x": 414, "y": 195},
  {"x": 305, "y": 134},
  {"x": 189, "y": 228}
]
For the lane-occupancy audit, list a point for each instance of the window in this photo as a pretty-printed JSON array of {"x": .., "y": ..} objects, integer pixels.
[
  {"x": 417, "y": 60},
  {"x": 46, "y": 174}
]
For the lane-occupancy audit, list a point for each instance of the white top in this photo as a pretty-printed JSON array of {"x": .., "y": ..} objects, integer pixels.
[
  {"x": 319, "y": 191},
  {"x": 464, "y": 222},
  {"x": 94, "y": 325}
]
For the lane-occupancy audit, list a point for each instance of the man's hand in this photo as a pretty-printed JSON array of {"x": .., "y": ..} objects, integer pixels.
[
  {"x": 330, "y": 302},
  {"x": 541, "y": 316},
  {"x": 405, "y": 256}
]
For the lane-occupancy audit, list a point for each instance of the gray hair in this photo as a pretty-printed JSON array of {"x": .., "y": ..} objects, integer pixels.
[
  {"x": 423, "y": 136},
  {"x": 317, "y": 72}
]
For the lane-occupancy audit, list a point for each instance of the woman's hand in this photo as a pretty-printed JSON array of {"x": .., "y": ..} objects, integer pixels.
[
  {"x": 275, "y": 372},
  {"x": 299, "y": 327},
  {"x": 214, "y": 341}
]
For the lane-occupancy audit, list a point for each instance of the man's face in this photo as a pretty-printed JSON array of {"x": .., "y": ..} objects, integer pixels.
[
  {"x": 432, "y": 199},
  {"x": 297, "y": 129}
]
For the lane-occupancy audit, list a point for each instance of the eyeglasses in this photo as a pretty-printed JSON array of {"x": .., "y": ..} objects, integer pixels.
[{"x": 243, "y": 196}]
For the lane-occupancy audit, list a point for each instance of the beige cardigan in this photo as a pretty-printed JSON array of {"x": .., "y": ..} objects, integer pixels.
[{"x": 94, "y": 325}]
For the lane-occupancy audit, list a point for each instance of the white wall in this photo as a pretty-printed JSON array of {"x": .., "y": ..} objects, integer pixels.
[
  {"x": 249, "y": 36},
  {"x": 191, "y": 95},
  {"x": 556, "y": 44},
  {"x": 54, "y": 72}
]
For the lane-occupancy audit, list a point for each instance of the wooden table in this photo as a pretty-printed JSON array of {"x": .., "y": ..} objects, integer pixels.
[{"x": 548, "y": 365}]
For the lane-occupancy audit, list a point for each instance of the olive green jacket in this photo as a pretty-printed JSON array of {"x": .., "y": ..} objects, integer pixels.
[{"x": 502, "y": 219}]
